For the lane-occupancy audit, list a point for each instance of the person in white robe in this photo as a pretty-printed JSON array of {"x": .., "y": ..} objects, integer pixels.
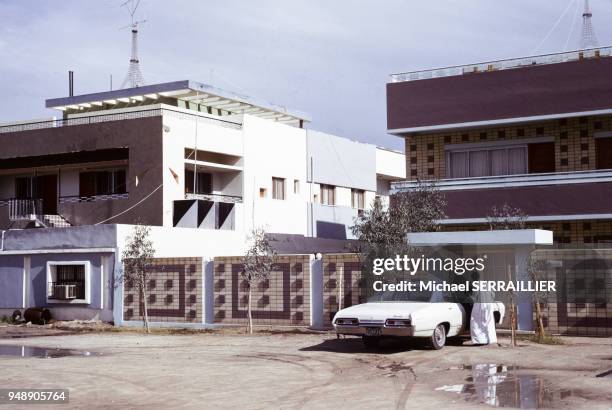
[{"x": 482, "y": 320}]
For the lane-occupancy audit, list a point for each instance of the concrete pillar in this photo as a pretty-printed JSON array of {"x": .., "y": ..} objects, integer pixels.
[
  {"x": 208, "y": 292},
  {"x": 316, "y": 293}
]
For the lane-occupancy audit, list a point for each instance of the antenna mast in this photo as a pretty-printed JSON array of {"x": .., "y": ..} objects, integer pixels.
[
  {"x": 588, "y": 38},
  {"x": 134, "y": 76}
]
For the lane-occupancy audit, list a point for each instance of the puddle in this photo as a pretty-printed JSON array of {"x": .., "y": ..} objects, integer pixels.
[
  {"x": 499, "y": 386},
  {"x": 43, "y": 352}
]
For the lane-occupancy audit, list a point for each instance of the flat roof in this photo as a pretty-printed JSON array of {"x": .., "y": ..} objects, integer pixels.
[
  {"x": 500, "y": 237},
  {"x": 189, "y": 91}
]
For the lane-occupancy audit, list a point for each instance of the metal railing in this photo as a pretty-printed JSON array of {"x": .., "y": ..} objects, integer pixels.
[
  {"x": 230, "y": 199},
  {"x": 95, "y": 198},
  {"x": 549, "y": 178},
  {"x": 101, "y": 117},
  {"x": 20, "y": 209},
  {"x": 507, "y": 64}
]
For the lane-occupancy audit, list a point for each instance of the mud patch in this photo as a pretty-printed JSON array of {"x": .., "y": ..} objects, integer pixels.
[
  {"x": 501, "y": 386},
  {"x": 43, "y": 352}
]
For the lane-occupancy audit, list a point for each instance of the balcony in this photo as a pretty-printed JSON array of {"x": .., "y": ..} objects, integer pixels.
[
  {"x": 206, "y": 211},
  {"x": 544, "y": 197}
]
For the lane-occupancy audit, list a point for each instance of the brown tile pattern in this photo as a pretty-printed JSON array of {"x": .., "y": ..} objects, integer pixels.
[
  {"x": 282, "y": 299},
  {"x": 582, "y": 305},
  {"x": 174, "y": 292},
  {"x": 574, "y": 144},
  {"x": 341, "y": 284}
]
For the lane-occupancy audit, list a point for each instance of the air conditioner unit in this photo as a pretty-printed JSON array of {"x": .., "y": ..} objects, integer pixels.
[{"x": 64, "y": 292}]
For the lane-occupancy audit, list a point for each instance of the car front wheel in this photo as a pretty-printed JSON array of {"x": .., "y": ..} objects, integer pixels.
[{"x": 438, "y": 337}]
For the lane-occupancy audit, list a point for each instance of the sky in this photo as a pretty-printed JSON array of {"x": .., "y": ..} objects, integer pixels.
[{"x": 328, "y": 58}]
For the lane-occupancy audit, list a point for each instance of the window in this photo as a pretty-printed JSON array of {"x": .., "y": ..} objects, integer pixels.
[
  {"x": 106, "y": 182},
  {"x": 487, "y": 162},
  {"x": 68, "y": 282},
  {"x": 603, "y": 148},
  {"x": 358, "y": 198},
  {"x": 262, "y": 192},
  {"x": 278, "y": 188},
  {"x": 328, "y": 195},
  {"x": 296, "y": 186},
  {"x": 203, "y": 185}
]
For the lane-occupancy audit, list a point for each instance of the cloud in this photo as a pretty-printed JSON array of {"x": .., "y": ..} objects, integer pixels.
[{"x": 329, "y": 58}]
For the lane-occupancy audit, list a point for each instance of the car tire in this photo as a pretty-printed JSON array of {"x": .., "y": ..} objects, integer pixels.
[
  {"x": 438, "y": 337},
  {"x": 370, "y": 342}
]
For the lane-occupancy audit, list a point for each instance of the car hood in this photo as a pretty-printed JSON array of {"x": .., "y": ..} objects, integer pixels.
[{"x": 382, "y": 310}]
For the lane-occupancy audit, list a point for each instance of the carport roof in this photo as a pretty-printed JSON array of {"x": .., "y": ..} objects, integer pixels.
[{"x": 501, "y": 237}]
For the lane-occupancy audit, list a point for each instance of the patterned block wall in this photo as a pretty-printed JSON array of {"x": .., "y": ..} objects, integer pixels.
[
  {"x": 282, "y": 299},
  {"x": 174, "y": 292},
  {"x": 341, "y": 284},
  {"x": 574, "y": 144},
  {"x": 582, "y": 305}
]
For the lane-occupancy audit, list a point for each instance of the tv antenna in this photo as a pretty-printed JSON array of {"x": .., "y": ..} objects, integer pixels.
[
  {"x": 134, "y": 76},
  {"x": 588, "y": 38}
]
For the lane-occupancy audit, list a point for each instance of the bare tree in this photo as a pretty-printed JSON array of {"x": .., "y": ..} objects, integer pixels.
[
  {"x": 506, "y": 217},
  {"x": 258, "y": 262},
  {"x": 137, "y": 257},
  {"x": 534, "y": 268}
]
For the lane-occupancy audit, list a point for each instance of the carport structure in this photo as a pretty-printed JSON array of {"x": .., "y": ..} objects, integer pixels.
[{"x": 504, "y": 248}]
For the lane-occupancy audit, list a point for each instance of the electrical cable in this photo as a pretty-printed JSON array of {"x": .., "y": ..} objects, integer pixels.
[
  {"x": 553, "y": 27},
  {"x": 131, "y": 207}
]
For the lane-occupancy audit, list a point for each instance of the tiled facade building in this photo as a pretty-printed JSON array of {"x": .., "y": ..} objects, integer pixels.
[{"x": 532, "y": 133}]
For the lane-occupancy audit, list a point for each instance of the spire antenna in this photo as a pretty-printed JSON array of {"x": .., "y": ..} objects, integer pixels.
[
  {"x": 134, "y": 77},
  {"x": 588, "y": 38}
]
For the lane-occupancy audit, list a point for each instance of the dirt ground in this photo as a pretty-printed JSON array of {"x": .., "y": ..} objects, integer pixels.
[{"x": 291, "y": 371}]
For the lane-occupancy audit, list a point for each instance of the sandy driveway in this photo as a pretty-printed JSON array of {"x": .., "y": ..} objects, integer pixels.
[{"x": 310, "y": 371}]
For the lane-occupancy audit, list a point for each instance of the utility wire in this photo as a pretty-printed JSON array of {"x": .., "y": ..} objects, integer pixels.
[
  {"x": 133, "y": 206},
  {"x": 535, "y": 50},
  {"x": 573, "y": 25}
]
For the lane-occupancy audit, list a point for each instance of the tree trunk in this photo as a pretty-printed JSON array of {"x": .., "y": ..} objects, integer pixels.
[
  {"x": 145, "y": 313},
  {"x": 541, "y": 331},
  {"x": 512, "y": 313},
  {"x": 249, "y": 312}
]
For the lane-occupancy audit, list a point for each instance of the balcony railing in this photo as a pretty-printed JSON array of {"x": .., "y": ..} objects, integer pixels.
[
  {"x": 503, "y": 64},
  {"x": 95, "y": 198},
  {"x": 229, "y": 199},
  {"x": 22, "y": 208},
  {"x": 117, "y": 116},
  {"x": 555, "y": 178}
]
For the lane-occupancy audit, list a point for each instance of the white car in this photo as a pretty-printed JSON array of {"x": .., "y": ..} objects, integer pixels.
[{"x": 435, "y": 321}]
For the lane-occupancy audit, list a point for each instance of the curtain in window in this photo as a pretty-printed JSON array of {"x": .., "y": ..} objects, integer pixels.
[
  {"x": 517, "y": 160},
  {"x": 479, "y": 164},
  {"x": 459, "y": 165},
  {"x": 278, "y": 188},
  {"x": 327, "y": 195},
  {"x": 499, "y": 162}
]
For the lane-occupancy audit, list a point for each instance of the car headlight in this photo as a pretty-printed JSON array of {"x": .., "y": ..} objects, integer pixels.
[
  {"x": 398, "y": 323},
  {"x": 341, "y": 321}
]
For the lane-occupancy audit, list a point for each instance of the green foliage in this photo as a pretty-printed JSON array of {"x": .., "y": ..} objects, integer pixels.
[
  {"x": 417, "y": 210},
  {"x": 137, "y": 256},
  {"x": 258, "y": 259}
]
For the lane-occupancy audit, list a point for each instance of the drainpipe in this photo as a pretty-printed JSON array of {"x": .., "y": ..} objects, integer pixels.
[{"x": 2, "y": 244}]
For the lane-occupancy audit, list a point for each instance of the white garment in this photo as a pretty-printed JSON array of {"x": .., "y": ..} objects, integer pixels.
[{"x": 482, "y": 324}]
